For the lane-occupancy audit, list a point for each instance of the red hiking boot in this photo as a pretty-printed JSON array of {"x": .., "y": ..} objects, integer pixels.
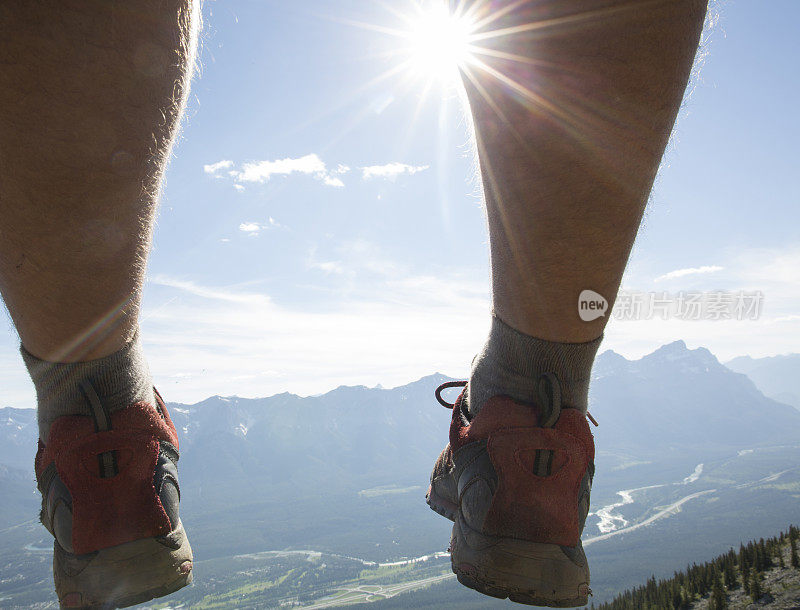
[
  {"x": 516, "y": 479},
  {"x": 110, "y": 495}
]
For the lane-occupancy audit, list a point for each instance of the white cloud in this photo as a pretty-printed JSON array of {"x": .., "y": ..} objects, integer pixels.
[
  {"x": 263, "y": 171},
  {"x": 390, "y": 329},
  {"x": 253, "y": 228},
  {"x": 250, "y": 227},
  {"x": 774, "y": 272},
  {"x": 390, "y": 171},
  {"x": 789, "y": 318},
  {"x": 374, "y": 321},
  {"x": 689, "y": 271},
  {"x": 223, "y": 339},
  {"x": 214, "y": 168},
  {"x": 356, "y": 257},
  {"x": 328, "y": 266},
  {"x": 396, "y": 327}
]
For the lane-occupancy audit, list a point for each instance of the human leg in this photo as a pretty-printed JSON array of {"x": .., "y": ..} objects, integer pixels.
[
  {"x": 570, "y": 135},
  {"x": 571, "y": 121},
  {"x": 573, "y": 107},
  {"x": 573, "y": 103},
  {"x": 90, "y": 98}
]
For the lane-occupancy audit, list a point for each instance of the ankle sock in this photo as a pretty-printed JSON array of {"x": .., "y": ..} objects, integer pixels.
[
  {"x": 511, "y": 363},
  {"x": 120, "y": 380}
]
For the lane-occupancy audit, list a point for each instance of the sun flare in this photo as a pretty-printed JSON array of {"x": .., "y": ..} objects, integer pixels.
[{"x": 438, "y": 42}]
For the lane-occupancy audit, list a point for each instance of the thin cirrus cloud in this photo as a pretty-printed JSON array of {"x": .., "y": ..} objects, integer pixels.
[
  {"x": 327, "y": 266},
  {"x": 689, "y": 271},
  {"x": 210, "y": 293},
  {"x": 261, "y": 172},
  {"x": 213, "y": 339},
  {"x": 379, "y": 320}
]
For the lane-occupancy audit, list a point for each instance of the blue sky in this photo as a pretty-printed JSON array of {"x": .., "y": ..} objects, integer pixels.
[{"x": 321, "y": 225}]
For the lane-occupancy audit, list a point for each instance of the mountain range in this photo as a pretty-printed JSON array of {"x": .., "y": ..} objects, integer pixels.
[
  {"x": 681, "y": 400},
  {"x": 672, "y": 400},
  {"x": 777, "y": 376},
  {"x": 346, "y": 472}
]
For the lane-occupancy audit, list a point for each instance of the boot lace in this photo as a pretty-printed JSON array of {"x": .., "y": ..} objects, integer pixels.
[{"x": 463, "y": 384}]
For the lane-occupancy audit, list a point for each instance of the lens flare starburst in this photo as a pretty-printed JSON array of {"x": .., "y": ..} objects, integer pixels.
[
  {"x": 437, "y": 42},
  {"x": 436, "y": 45}
]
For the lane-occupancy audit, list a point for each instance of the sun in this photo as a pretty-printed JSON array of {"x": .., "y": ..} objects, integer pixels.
[{"x": 437, "y": 42}]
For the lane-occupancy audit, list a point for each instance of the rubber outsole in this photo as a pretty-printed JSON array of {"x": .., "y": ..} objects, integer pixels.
[
  {"x": 124, "y": 575},
  {"x": 505, "y": 568},
  {"x": 525, "y": 572},
  {"x": 518, "y": 597},
  {"x": 440, "y": 505}
]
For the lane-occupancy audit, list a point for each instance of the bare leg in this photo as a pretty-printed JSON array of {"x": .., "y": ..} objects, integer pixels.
[
  {"x": 573, "y": 109},
  {"x": 91, "y": 92},
  {"x": 573, "y": 103},
  {"x": 571, "y": 121}
]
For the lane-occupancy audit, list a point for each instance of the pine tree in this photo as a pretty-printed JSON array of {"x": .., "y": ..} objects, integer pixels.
[
  {"x": 691, "y": 585},
  {"x": 745, "y": 569},
  {"x": 766, "y": 555},
  {"x": 729, "y": 572},
  {"x": 712, "y": 577},
  {"x": 718, "y": 599},
  {"x": 755, "y": 587},
  {"x": 746, "y": 580},
  {"x": 677, "y": 597},
  {"x": 744, "y": 564},
  {"x": 795, "y": 560}
]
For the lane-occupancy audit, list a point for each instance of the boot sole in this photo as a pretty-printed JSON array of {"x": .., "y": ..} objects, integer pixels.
[
  {"x": 124, "y": 575},
  {"x": 525, "y": 572}
]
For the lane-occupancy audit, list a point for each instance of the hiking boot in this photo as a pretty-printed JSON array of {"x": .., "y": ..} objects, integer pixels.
[
  {"x": 516, "y": 479},
  {"x": 110, "y": 495}
]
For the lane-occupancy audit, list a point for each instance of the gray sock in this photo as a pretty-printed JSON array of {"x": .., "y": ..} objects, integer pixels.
[
  {"x": 512, "y": 362},
  {"x": 120, "y": 380}
]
